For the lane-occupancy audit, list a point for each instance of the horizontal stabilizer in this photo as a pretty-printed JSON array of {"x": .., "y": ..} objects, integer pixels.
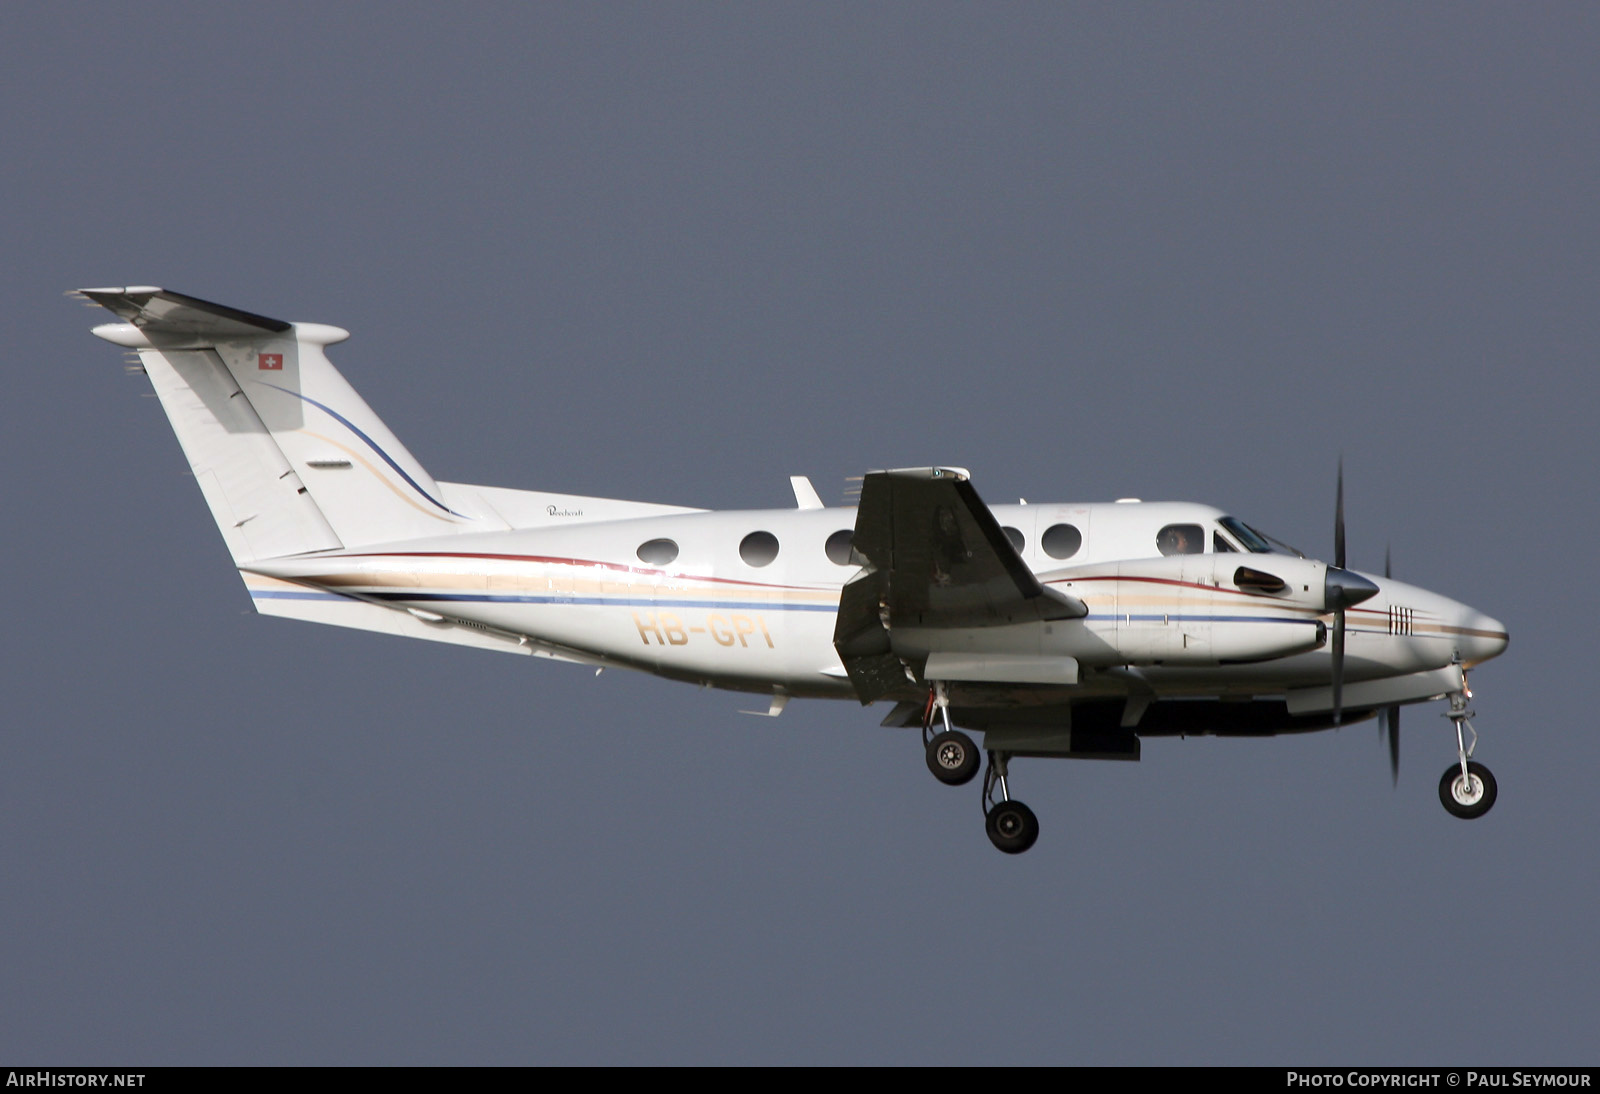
[{"x": 162, "y": 311}]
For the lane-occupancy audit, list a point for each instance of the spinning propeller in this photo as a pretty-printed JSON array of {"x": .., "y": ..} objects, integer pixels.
[
  {"x": 1389, "y": 720},
  {"x": 1342, "y": 589}
]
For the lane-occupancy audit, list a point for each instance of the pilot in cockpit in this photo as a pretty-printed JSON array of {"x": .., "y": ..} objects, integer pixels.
[{"x": 1181, "y": 539}]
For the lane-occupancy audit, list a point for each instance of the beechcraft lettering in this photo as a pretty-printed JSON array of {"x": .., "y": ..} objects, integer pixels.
[{"x": 1072, "y": 631}]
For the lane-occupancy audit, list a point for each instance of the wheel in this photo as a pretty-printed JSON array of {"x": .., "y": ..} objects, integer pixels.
[
  {"x": 952, "y": 757},
  {"x": 1467, "y": 797},
  {"x": 1012, "y": 827}
]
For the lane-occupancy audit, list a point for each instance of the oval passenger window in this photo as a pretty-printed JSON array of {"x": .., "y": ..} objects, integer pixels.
[
  {"x": 758, "y": 548},
  {"x": 1015, "y": 536},
  {"x": 1061, "y": 540},
  {"x": 658, "y": 552}
]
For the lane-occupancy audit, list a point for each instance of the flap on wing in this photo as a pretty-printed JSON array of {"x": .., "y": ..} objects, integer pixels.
[
  {"x": 1046, "y": 740},
  {"x": 160, "y": 311},
  {"x": 1001, "y": 668}
]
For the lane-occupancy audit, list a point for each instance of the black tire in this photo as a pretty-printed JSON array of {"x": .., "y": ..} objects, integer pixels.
[
  {"x": 1012, "y": 827},
  {"x": 1467, "y": 798},
  {"x": 952, "y": 757}
]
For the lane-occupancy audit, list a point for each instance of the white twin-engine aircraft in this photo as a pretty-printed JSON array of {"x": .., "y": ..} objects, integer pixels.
[{"x": 1052, "y": 630}]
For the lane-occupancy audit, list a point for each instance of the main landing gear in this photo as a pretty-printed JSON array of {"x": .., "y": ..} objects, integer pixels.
[
  {"x": 1467, "y": 789},
  {"x": 953, "y": 759},
  {"x": 1012, "y": 827}
]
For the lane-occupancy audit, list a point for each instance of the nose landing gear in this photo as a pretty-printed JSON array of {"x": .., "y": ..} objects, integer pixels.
[
  {"x": 1467, "y": 794},
  {"x": 1467, "y": 788}
]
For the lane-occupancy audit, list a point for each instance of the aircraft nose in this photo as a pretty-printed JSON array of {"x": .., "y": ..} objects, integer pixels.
[{"x": 1481, "y": 637}]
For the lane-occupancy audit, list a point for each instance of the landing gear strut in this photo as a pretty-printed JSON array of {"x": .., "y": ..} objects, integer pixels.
[
  {"x": 1467, "y": 789},
  {"x": 952, "y": 757},
  {"x": 1012, "y": 827}
]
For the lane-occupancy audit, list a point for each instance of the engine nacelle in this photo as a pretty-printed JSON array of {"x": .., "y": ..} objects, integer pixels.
[
  {"x": 1199, "y": 610},
  {"x": 1207, "y": 609}
]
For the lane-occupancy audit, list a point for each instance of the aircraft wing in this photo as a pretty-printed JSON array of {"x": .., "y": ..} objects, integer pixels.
[{"x": 935, "y": 558}]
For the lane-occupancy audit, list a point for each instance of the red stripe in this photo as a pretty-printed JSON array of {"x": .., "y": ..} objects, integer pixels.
[
  {"x": 1217, "y": 589},
  {"x": 1168, "y": 581}
]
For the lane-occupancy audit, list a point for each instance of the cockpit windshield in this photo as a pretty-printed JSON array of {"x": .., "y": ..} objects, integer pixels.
[{"x": 1257, "y": 542}]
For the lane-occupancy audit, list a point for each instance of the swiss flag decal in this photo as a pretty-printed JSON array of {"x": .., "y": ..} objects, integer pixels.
[{"x": 270, "y": 362}]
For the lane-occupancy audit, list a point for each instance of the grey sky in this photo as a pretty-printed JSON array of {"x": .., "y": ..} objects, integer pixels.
[{"x": 678, "y": 254}]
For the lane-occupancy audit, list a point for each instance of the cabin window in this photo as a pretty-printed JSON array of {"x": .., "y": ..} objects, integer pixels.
[
  {"x": 1061, "y": 540},
  {"x": 1181, "y": 539},
  {"x": 1221, "y": 546},
  {"x": 658, "y": 552},
  {"x": 841, "y": 552},
  {"x": 758, "y": 548},
  {"x": 1015, "y": 536}
]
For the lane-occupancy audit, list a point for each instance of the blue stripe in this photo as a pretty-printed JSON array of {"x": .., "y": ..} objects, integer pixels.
[
  {"x": 352, "y": 427},
  {"x": 1175, "y": 617},
  {"x": 604, "y": 601},
  {"x": 726, "y": 605},
  {"x": 583, "y": 601}
]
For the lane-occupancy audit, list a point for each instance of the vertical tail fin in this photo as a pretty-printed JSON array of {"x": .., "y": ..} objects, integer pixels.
[{"x": 289, "y": 457}]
